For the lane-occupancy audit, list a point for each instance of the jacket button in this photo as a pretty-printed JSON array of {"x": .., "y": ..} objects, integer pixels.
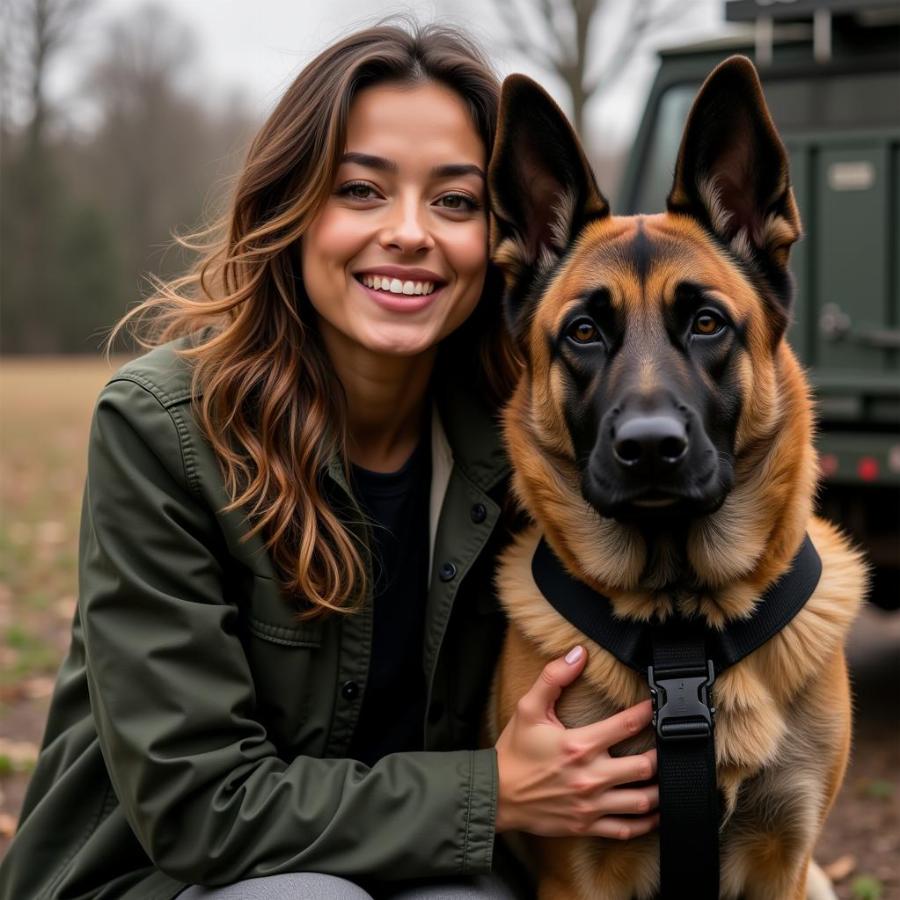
[
  {"x": 447, "y": 572},
  {"x": 349, "y": 690},
  {"x": 436, "y": 712},
  {"x": 478, "y": 513}
]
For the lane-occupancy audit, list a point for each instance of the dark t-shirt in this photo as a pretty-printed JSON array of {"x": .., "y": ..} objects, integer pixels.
[{"x": 393, "y": 709}]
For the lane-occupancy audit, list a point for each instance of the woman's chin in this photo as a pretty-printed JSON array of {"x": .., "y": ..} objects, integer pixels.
[{"x": 401, "y": 342}]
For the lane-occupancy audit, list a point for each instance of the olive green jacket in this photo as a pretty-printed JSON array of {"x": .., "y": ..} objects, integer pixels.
[{"x": 197, "y": 731}]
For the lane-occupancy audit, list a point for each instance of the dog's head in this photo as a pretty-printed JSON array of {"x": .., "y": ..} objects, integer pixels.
[{"x": 653, "y": 344}]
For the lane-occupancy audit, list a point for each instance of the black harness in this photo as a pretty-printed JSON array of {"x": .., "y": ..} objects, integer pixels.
[{"x": 680, "y": 659}]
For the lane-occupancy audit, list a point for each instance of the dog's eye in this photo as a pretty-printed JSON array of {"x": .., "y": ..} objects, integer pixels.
[
  {"x": 583, "y": 331},
  {"x": 707, "y": 322}
]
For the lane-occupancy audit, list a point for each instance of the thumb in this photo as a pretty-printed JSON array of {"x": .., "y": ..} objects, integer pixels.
[{"x": 541, "y": 699}]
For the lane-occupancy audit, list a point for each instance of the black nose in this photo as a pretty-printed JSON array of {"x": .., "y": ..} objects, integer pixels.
[{"x": 658, "y": 440}]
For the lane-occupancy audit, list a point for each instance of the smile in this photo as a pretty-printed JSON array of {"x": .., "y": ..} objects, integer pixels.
[{"x": 396, "y": 286}]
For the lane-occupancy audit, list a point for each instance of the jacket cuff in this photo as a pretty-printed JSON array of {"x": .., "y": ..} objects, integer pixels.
[{"x": 481, "y": 815}]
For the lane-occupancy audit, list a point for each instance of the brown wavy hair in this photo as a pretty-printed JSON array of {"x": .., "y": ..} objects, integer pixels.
[{"x": 265, "y": 393}]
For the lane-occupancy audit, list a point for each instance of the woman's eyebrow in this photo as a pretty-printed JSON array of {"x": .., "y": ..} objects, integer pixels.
[
  {"x": 370, "y": 162},
  {"x": 450, "y": 170}
]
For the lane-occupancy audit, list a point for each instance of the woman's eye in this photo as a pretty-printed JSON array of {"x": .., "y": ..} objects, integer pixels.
[
  {"x": 358, "y": 190},
  {"x": 458, "y": 202},
  {"x": 707, "y": 323},
  {"x": 584, "y": 331}
]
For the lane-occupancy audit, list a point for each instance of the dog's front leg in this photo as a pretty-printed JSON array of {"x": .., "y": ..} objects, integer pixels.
[
  {"x": 551, "y": 889},
  {"x": 818, "y": 884},
  {"x": 580, "y": 868},
  {"x": 782, "y": 882}
]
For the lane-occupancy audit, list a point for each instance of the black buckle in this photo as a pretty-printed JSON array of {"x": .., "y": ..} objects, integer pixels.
[{"x": 681, "y": 707}]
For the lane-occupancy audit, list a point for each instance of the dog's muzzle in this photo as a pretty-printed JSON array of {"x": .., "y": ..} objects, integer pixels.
[
  {"x": 653, "y": 461},
  {"x": 650, "y": 446}
]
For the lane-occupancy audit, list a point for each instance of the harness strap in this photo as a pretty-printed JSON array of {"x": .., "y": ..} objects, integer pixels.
[
  {"x": 629, "y": 641},
  {"x": 680, "y": 681},
  {"x": 680, "y": 659}
]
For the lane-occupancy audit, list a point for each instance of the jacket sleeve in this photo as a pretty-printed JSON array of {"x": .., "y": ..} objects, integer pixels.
[{"x": 173, "y": 699}]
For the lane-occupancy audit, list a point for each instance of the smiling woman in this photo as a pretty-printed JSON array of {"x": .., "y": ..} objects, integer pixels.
[
  {"x": 286, "y": 624},
  {"x": 395, "y": 260},
  {"x": 411, "y": 185}
]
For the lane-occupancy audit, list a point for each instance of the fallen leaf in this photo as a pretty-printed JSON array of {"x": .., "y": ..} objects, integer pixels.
[
  {"x": 841, "y": 867},
  {"x": 19, "y": 751},
  {"x": 10, "y": 693},
  {"x": 38, "y": 688},
  {"x": 51, "y": 532},
  {"x": 65, "y": 607},
  {"x": 7, "y": 825}
]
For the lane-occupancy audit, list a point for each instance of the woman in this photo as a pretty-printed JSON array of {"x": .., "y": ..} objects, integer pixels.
[{"x": 286, "y": 629}]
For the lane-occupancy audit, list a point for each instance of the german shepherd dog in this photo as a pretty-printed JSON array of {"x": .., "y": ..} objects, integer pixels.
[{"x": 661, "y": 441}]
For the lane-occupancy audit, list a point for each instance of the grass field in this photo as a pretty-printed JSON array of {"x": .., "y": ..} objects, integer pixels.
[{"x": 45, "y": 411}]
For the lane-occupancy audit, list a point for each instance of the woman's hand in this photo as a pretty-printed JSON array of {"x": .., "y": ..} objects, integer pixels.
[{"x": 559, "y": 781}]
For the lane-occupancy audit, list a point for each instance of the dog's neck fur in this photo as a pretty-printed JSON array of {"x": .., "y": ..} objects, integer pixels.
[{"x": 716, "y": 566}]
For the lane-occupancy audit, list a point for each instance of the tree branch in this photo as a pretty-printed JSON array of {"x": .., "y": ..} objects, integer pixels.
[
  {"x": 644, "y": 20},
  {"x": 518, "y": 39}
]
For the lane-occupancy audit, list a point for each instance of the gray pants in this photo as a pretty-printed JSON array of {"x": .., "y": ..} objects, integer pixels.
[{"x": 313, "y": 886}]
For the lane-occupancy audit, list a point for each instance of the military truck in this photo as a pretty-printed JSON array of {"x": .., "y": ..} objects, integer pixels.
[{"x": 831, "y": 74}]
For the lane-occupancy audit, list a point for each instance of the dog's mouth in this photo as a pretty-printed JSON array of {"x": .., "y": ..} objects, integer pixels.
[
  {"x": 656, "y": 503},
  {"x": 655, "y": 500},
  {"x": 659, "y": 506}
]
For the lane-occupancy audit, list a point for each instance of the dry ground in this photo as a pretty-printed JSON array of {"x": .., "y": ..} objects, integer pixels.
[{"x": 45, "y": 407}]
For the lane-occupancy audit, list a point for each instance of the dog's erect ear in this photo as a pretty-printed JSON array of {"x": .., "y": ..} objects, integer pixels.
[
  {"x": 542, "y": 188},
  {"x": 732, "y": 173}
]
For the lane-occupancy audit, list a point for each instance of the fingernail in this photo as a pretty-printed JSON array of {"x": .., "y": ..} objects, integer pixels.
[{"x": 574, "y": 655}]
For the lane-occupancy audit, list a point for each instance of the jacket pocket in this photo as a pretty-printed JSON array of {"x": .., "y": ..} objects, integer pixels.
[
  {"x": 271, "y": 618},
  {"x": 293, "y": 687},
  {"x": 301, "y": 635}
]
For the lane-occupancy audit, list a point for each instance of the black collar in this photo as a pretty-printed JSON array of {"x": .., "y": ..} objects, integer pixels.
[{"x": 630, "y": 642}]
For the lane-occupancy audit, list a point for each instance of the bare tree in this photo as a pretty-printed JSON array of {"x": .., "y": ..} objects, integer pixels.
[
  {"x": 143, "y": 142},
  {"x": 159, "y": 149},
  {"x": 83, "y": 218},
  {"x": 36, "y": 31},
  {"x": 580, "y": 41}
]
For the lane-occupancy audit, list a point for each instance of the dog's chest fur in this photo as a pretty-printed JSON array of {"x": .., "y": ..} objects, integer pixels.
[{"x": 777, "y": 733}]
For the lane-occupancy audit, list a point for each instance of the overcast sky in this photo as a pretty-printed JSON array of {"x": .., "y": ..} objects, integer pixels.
[{"x": 257, "y": 46}]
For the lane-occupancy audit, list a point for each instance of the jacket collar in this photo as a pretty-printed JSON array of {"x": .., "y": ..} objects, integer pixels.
[
  {"x": 464, "y": 433},
  {"x": 473, "y": 433}
]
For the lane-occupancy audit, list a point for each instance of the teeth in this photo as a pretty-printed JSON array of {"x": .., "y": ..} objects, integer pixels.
[{"x": 396, "y": 286}]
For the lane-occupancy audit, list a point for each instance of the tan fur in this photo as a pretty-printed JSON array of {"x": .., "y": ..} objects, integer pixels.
[
  {"x": 783, "y": 713},
  {"x": 563, "y": 214},
  {"x": 719, "y": 217}
]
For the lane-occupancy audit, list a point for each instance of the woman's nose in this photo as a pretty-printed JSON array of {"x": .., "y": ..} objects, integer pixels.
[{"x": 407, "y": 228}]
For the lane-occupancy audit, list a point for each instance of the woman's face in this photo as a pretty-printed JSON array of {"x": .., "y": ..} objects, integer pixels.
[{"x": 396, "y": 259}]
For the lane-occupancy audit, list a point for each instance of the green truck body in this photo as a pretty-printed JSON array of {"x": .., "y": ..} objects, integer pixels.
[{"x": 831, "y": 74}]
